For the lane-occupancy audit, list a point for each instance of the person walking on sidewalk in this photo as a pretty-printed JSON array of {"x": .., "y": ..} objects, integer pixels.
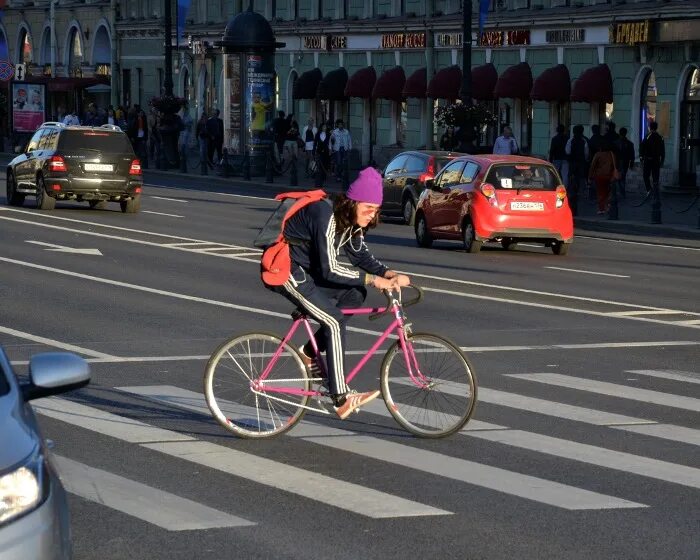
[
  {"x": 652, "y": 152},
  {"x": 322, "y": 154},
  {"x": 215, "y": 129},
  {"x": 308, "y": 135},
  {"x": 578, "y": 155},
  {"x": 341, "y": 144},
  {"x": 203, "y": 139},
  {"x": 505, "y": 144},
  {"x": 557, "y": 153},
  {"x": 625, "y": 150},
  {"x": 602, "y": 172}
]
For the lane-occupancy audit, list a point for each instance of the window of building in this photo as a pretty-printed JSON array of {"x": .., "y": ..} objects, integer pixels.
[
  {"x": 75, "y": 57},
  {"x": 26, "y": 54},
  {"x": 401, "y": 122},
  {"x": 648, "y": 108},
  {"x": 692, "y": 91}
]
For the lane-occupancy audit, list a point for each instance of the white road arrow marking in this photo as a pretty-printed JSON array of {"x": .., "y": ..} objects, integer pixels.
[{"x": 63, "y": 249}]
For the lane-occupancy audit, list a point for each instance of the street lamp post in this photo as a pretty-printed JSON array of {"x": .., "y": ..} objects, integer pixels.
[
  {"x": 465, "y": 92},
  {"x": 168, "y": 82}
]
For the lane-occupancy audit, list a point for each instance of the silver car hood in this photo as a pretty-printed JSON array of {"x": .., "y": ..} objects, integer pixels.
[{"x": 17, "y": 438}]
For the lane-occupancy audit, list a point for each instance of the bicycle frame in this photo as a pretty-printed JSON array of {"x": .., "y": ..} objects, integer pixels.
[{"x": 398, "y": 325}]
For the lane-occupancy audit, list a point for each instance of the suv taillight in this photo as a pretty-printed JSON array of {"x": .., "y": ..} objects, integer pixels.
[
  {"x": 135, "y": 168},
  {"x": 57, "y": 163},
  {"x": 429, "y": 171}
]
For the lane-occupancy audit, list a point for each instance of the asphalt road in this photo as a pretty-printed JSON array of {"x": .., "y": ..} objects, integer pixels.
[{"x": 584, "y": 445}]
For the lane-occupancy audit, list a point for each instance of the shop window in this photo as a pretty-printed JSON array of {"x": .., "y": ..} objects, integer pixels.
[
  {"x": 525, "y": 126},
  {"x": 560, "y": 114},
  {"x": 401, "y": 123},
  {"x": 488, "y": 131},
  {"x": 648, "y": 108},
  {"x": 277, "y": 90},
  {"x": 27, "y": 55},
  {"x": 76, "y": 53},
  {"x": 692, "y": 92},
  {"x": 609, "y": 109}
]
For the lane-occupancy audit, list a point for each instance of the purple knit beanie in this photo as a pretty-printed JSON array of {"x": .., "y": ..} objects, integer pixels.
[{"x": 367, "y": 187}]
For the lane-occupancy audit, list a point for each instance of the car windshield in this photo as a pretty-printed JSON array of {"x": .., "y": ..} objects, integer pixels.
[
  {"x": 517, "y": 176},
  {"x": 106, "y": 142}
]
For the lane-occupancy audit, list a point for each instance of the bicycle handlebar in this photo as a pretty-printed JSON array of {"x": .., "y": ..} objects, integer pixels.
[{"x": 387, "y": 294}]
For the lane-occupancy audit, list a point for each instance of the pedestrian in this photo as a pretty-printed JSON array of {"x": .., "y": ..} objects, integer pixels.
[
  {"x": 578, "y": 155},
  {"x": 154, "y": 139},
  {"x": 140, "y": 140},
  {"x": 341, "y": 144},
  {"x": 603, "y": 171},
  {"x": 215, "y": 129},
  {"x": 291, "y": 139},
  {"x": 595, "y": 140},
  {"x": 611, "y": 136},
  {"x": 186, "y": 132},
  {"x": 652, "y": 153},
  {"x": 308, "y": 135},
  {"x": 626, "y": 157},
  {"x": 280, "y": 125},
  {"x": 203, "y": 139},
  {"x": 506, "y": 144},
  {"x": 557, "y": 153},
  {"x": 448, "y": 140},
  {"x": 71, "y": 118},
  {"x": 322, "y": 154}
]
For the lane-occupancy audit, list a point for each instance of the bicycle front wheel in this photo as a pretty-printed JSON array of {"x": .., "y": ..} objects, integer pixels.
[
  {"x": 430, "y": 388},
  {"x": 237, "y": 396}
]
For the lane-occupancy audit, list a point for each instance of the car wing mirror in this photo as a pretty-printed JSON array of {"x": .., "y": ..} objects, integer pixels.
[
  {"x": 51, "y": 373},
  {"x": 430, "y": 184}
]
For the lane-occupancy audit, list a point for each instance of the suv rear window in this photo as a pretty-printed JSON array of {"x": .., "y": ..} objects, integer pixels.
[
  {"x": 523, "y": 176},
  {"x": 110, "y": 142}
]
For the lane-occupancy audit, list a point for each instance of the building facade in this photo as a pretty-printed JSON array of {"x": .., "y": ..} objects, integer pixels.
[{"x": 384, "y": 65}]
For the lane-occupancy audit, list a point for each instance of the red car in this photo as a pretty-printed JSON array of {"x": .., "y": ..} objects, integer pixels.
[{"x": 489, "y": 197}]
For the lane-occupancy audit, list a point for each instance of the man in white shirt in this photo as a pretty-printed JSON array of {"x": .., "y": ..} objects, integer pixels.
[
  {"x": 71, "y": 119},
  {"x": 341, "y": 144},
  {"x": 506, "y": 144}
]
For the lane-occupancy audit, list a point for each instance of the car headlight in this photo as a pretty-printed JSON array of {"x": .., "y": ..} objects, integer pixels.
[{"x": 22, "y": 489}]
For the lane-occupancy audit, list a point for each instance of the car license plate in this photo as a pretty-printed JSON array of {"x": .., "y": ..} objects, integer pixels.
[
  {"x": 531, "y": 206},
  {"x": 98, "y": 167}
]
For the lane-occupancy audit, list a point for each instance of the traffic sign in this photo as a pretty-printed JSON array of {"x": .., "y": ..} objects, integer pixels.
[
  {"x": 20, "y": 72},
  {"x": 7, "y": 70}
]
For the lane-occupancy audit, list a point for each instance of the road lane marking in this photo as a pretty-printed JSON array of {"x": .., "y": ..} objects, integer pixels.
[
  {"x": 645, "y": 312},
  {"x": 685, "y": 376},
  {"x": 169, "y": 199},
  {"x": 639, "y": 243},
  {"x": 612, "y": 389},
  {"x": 501, "y": 480},
  {"x": 587, "y": 272},
  {"x": 157, "y": 507},
  {"x": 691, "y": 322},
  {"x": 56, "y": 344},
  {"x": 162, "y": 214},
  {"x": 320, "y": 488},
  {"x": 64, "y": 249}
]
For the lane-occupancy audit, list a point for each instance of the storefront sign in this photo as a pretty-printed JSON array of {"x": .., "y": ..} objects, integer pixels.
[
  {"x": 505, "y": 38},
  {"x": 103, "y": 69},
  {"x": 449, "y": 39},
  {"x": 403, "y": 41},
  {"x": 679, "y": 31},
  {"x": 325, "y": 42},
  {"x": 630, "y": 33},
  {"x": 566, "y": 35}
]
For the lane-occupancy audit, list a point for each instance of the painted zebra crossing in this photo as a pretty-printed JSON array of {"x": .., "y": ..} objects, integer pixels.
[{"x": 364, "y": 499}]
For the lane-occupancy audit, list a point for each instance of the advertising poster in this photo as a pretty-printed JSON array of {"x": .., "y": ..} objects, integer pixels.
[
  {"x": 234, "y": 121},
  {"x": 27, "y": 106},
  {"x": 260, "y": 99}
]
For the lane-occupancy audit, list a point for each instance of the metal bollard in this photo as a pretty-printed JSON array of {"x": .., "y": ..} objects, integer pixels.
[
  {"x": 269, "y": 178},
  {"x": 655, "y": 204},
  {"x": 293, "y": 177},
  {"x": 613, "y": 213}
]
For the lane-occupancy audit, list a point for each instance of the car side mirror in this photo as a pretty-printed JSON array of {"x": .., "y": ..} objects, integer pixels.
[
  {"x": 430, "y": 184},
  {"x": 51, "y": 373}
]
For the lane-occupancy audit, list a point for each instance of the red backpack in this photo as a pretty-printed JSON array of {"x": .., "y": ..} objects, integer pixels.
[{"x": 276, "y": 264}]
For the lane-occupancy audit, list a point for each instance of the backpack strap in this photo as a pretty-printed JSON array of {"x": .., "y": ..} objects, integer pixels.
[{"x": 303, "y": 198}]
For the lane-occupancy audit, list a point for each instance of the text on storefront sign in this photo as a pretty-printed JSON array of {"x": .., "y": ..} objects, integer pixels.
[
  {"x": 325, "y": 42},
  {"x": 630, "y": 33},
  {"x": 566, "y": 36},
  {"x": 449, "y": 39},
  {"x": 505, "y": 38},
  {"x": 403, "y": 41}
]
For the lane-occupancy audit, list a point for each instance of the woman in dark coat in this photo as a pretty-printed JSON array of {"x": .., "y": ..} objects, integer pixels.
[{"x": 322, "y": 154}]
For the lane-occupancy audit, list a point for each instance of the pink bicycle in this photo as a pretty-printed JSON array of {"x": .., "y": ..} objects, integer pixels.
[{"x": 257, "y": 385}]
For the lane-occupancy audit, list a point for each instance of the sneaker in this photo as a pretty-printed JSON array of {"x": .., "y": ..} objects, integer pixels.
[
  {"x": 353, "y": 401},
  {"x": 312, "y": 366}
]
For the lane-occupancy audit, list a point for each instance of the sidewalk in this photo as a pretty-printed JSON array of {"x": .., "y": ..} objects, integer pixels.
[{"x": 634, "y": 223}]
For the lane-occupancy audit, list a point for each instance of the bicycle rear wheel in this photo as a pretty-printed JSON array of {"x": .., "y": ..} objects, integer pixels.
[
  {"x": 236, "y": 396},
  {"x": 439, "y": 397}
]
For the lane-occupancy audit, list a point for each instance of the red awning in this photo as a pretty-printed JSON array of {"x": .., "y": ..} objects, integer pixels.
[
  {"x": 416, "y": 84},
  {"x": 332, "y": 86},
  {"x": 484, "y": 80},
  {"x": 361, "y": 83},
  {"x": 446, "y": 83},
  {"x": 306, "y": 85},
  {"x": 390, "y": 85},
  {"x": 515, "y": 82},
  {"x": 593, "y": 86},
  {"x": 553, "y": 84}
]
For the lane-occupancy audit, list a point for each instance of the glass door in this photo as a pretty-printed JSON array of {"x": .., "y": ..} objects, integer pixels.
[{"x": 689, "y": 154}]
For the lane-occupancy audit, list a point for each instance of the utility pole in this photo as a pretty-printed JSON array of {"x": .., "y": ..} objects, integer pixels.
[
  {"x": 52, "y": 18},
  {"x": 168, "y": 82},
  {"x": 465, "y": 92}
]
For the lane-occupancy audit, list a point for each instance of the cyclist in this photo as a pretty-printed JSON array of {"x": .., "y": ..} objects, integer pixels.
[{"x": 321, "y": 286}]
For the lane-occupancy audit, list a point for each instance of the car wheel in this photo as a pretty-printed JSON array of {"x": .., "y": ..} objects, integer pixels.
[
  {"x": 471, "y": 244},
  {"x": 43, "y": 200},
  {"x": 423, "y": 238},
  {"x": 13, "y": 197},
  {"x": 560, "y": 248},
  {"x": 408, "y": 210},
  {"x": 131, "y": 206},
  {"x": 507, "y": 243},
  {"x": 98, "y": 204}
]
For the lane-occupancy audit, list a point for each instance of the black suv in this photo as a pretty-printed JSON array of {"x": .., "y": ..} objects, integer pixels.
[
  {"x": 95, "y": 164},
  {"x": 404, "y": 179}
]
